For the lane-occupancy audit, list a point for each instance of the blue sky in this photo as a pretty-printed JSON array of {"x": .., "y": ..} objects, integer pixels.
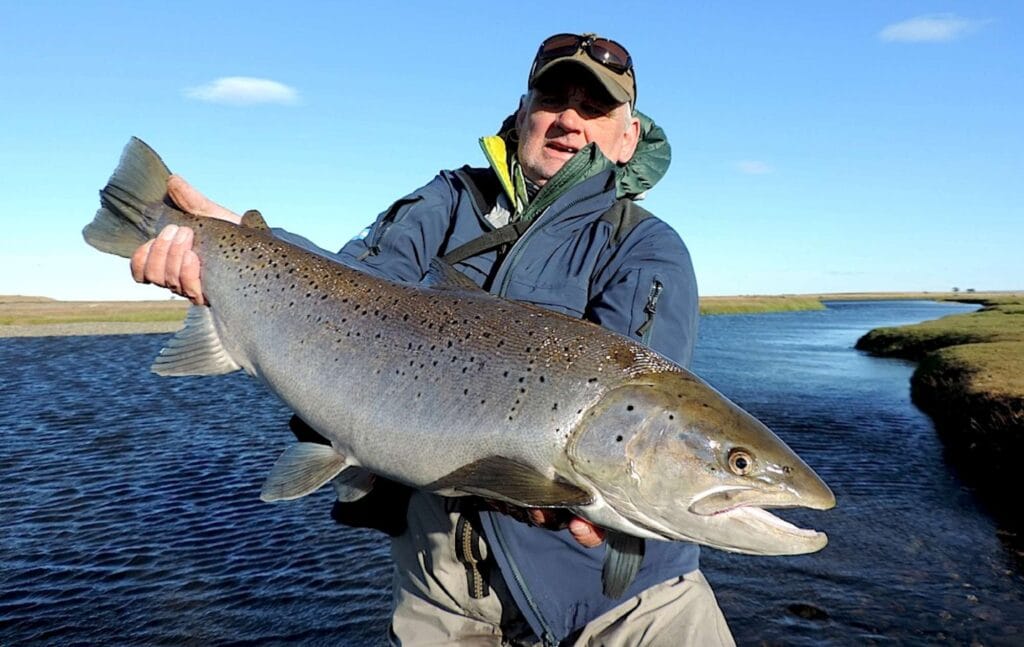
[{"x": 817, "y": 146}]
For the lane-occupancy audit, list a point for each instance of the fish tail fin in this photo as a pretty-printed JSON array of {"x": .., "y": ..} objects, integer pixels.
[{"x": 129, "y": 215}]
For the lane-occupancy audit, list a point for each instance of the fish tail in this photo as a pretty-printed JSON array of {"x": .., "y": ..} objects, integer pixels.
[{"x": 131, "y": 202}]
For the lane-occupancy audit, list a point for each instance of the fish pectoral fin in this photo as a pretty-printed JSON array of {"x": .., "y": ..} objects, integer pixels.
[
  {"x": 443, "y": 276},
  {"x": 254, "y": 220},
  {"x": 497, "y": 477},
  {"x": 195, "y": 350},
  {"x": 622, "y": 562},
  {"x": 353, "y": 484},
  {"x": 302, "y": 469}
]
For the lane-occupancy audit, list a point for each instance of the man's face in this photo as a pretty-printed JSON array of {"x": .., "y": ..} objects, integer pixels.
[{"x": 563, "y": 113}]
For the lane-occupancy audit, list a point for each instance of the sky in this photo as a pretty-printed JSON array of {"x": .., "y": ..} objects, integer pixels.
[{"x": 817, "y": 146}]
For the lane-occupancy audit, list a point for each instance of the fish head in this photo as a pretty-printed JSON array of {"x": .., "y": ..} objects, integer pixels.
[{"x": 674, "y": 458}]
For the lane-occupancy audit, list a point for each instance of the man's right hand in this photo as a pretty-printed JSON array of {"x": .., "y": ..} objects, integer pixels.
[{"x": 168, "y": 259}]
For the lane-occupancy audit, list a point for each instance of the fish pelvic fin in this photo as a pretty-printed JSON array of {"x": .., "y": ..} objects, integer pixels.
[
  {"x": 497, "y": 477},
  {"x": 127, "y": 216},
  {"x": 302, "y": 469},
  {"x": 622, "y": 562},
  {"x": 196, "y": 349},
  {"x": 352, "y": 484}
]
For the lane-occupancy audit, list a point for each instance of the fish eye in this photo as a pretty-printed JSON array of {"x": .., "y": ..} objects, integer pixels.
[{"x": 740, "y": 462}]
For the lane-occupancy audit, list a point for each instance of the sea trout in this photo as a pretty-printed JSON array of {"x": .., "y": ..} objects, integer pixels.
[{"x": 445, "y": 387}]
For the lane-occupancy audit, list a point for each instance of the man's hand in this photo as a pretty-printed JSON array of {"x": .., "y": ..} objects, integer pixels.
[
  {"x": 168, "y": 259},
  {"x": 585, "y": 533}
]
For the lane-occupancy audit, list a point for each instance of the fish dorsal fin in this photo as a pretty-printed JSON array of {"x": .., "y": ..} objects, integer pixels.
[
  {"x": 497, "y": 477},
  {"x": 352, "y": 484},
  {"x": 302, "y": 469},
  {"x": 254, "y": 220},
  {"x": 622, "y": 562},
  {"x": 196, "y": 349},
  {"x": 443, "y": 276}
]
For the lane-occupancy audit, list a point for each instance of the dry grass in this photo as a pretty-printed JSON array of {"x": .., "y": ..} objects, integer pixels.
[{"x": 27, "y": 311}]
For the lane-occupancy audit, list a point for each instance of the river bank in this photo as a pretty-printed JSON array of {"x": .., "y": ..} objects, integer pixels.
[
  {"x": 30, "y": 316},
  {"x": 970, "y": 381}
]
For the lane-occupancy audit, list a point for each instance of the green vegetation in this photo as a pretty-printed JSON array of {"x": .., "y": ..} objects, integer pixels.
[
  {"x": 26, "y": 312},
  {"x": 970, "y": 380},
  {"x": 758, "y": 304}
]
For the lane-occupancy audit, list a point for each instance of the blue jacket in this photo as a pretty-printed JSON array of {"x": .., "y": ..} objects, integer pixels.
[{"x": 643, "y": 288}]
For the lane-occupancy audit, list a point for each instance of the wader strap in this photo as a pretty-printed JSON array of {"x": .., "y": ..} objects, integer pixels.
[
  {"x": 483, "y": 187},
  {"x": 506, "y": 235}
]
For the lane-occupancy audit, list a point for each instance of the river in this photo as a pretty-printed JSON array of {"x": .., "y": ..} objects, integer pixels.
[{"x": 130, "y": 509}]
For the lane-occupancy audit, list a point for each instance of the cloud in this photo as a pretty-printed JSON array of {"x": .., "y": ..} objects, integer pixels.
[
  {"x": 243, "y": 91},
  {"x": 753, "y": 167},
  {"x": 932, "y": 28}
]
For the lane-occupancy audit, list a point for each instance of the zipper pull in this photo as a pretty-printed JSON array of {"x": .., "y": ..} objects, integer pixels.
[{"x": 650, "y": 308}]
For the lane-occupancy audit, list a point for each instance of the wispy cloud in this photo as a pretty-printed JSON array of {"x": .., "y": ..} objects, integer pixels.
[
  {"x": 243, "y": 91},
  {"x": 932, "y": 28},
  {"x": 753, "y": 167}
]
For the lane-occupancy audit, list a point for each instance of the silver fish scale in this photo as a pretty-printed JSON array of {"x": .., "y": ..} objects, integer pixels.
[{"x": 411, "y": 382}]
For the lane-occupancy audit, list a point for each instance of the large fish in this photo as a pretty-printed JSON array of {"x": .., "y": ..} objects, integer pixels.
[{"x": 447, "y": 388}]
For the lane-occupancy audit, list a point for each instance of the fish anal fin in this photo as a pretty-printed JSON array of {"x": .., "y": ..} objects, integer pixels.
[
  {"x": 622, "y": 562},
  {"x": 253, "y": 219},
  {"x": 443, "y": 276},
  {"x": 196, "y": 349},
  {"x": 302, "y": 469},
  {"x": 497, "y": 477}
]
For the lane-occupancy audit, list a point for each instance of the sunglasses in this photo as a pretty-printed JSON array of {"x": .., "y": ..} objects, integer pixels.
[{"x": 606, "y": 52}]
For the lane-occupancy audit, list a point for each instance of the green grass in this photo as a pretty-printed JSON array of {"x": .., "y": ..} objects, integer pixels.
[
  {"x": 758, "y": 304},
  {"x": 970, "y": 380},
  {"x": 999, "y": 320}
]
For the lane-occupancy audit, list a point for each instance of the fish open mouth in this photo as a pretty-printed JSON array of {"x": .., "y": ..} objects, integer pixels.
[
  {"x": 745, "y": 525},
  {"x": 760, "y": 516}
]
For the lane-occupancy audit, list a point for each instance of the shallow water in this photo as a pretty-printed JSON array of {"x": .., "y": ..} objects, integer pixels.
[{"x": 131, "y": 513}]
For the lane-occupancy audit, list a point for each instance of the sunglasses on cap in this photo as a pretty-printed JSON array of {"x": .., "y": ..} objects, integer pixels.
[{"x": 606, "y": 52}]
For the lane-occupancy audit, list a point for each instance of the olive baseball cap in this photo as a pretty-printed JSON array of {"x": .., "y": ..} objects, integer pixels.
[{"x": 606, "y": 60}]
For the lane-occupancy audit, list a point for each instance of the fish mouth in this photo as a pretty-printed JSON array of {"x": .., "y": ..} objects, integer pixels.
[{"x": 758, "y": 531}]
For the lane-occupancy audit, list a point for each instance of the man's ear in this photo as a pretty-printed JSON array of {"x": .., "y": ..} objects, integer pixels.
[
  {"x": 521, "y": 112},
  {"x": 631, "y": 138}
]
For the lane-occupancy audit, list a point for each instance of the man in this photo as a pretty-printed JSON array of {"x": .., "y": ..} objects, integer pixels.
[{"x": 549, "y": 223}]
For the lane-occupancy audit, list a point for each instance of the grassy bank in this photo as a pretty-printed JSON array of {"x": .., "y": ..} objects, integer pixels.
[
  {"x": 758, "y": 304},
  {"x": 32, "y": 311},
  {"x": 970, "y": 380}
]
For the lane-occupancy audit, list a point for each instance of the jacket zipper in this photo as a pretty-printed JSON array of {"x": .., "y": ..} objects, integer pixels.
[
  {"x": 517, "y": 247},
  {"x": 646, "y": 330}
]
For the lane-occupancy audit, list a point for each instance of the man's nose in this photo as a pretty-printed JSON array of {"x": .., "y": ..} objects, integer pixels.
[{"x": 570, "y": 119}]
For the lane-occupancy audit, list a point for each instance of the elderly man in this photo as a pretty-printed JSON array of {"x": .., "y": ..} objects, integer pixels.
[{"x": 550, "y": 222}]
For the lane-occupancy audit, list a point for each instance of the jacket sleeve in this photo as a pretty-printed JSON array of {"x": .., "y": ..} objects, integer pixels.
[
  {"x": 648, "y": 292},
  {"x": 400, "y": 244}
]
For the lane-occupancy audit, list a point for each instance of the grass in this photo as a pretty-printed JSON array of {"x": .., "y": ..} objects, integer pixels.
[
  {"x": 970, "y": 380},
  {"x": 27, "y": 312},
  {"x": 758, "y": 304}
]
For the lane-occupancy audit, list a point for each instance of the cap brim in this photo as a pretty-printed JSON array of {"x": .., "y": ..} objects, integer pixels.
[{"x": 604, "y": 76}]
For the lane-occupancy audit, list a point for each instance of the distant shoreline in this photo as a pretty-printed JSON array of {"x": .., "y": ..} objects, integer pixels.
[{"x": 28, "y": 316}]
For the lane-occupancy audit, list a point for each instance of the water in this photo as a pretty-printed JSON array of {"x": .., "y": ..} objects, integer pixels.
[{"x": 131, "y": 513}]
